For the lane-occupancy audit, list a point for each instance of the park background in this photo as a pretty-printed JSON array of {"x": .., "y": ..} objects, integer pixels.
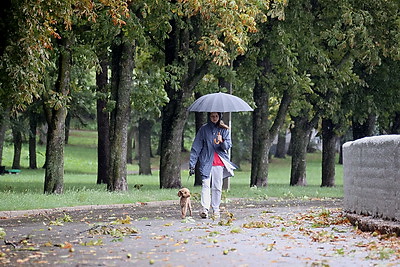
[{"x": 116, "y": 69}]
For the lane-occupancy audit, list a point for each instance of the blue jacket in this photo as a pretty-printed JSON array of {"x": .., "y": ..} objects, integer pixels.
[{"x": 203, "y": 148}]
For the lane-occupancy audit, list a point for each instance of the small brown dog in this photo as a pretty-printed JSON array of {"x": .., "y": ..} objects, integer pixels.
[{"x": 184, "y": 194}]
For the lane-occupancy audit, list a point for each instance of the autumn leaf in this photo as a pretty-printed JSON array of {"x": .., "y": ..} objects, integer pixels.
[
  {"x": 2, "y": 233},
  {"x": 65, "y": 245},
  {"x": 127, "y": 220},
  {"x": 271, "y": 246}
]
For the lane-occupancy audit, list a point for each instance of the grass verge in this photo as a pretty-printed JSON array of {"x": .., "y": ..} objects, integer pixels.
[{"x": 25, "y": 190}]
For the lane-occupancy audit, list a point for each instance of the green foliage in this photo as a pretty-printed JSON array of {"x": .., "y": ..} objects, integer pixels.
[
  {"x": 28, "y": 48},
  {"x": 148, "y": 94}
]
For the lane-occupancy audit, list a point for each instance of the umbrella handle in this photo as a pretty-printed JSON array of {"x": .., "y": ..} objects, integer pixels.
[{"x": 215, "y": 140}]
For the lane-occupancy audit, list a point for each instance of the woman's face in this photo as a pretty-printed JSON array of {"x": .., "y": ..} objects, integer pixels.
[{"x": 214, "y": 117}]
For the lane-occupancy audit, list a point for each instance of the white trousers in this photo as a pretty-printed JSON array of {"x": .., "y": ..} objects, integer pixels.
[{"x": 213, "y": 185}]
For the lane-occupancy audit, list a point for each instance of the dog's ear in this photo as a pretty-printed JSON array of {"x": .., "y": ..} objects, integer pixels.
[{"x": 179, "y": 193}]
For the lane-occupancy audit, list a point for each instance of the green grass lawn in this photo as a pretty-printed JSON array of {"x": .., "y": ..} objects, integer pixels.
[{"x": 25, "y": 190}]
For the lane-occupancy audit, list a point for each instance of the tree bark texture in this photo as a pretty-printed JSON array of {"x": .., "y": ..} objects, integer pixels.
[
  {"x": 328, "y": 153},
  {"x": 263, "y": 131},
  {"x": 129, "y": 148},
  {"x": 32, "y": 140},
  {"x": 3, "y": 128},
  {"x": 340, "y": 160},
  {"x": 395, "y": 129},
  {"x": 122, "y": 71},
  {"x": 135, "y": 133},
  {"x": 103, "y": 123},
  {"x": 261, "y": 137},
  {"x": 145, "y": 128},
  {"x": 54, "y": 173},
  {"x": 281, "y": 145},
  {"x": 174, "y": 117},
  {"x": 17, "y": 140},
  {"x": 67, "y": 127},
  {"x": 178, "y": 48},
  {"x": 300, "y": 137}
]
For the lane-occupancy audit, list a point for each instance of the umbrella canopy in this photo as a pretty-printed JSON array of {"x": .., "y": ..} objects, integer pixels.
[{"x": 219, "y": 102}]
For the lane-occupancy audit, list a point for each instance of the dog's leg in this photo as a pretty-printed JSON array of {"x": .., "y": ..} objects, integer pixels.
[
  {"x": 190, "y": 207},
  {"x": 183, "y": 207}
]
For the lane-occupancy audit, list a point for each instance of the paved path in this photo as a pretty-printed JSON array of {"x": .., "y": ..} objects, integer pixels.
[{"x": 250, "y": 233}]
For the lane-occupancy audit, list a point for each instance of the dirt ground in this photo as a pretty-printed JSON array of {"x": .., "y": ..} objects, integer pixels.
[{"x": 272, "y": 232}]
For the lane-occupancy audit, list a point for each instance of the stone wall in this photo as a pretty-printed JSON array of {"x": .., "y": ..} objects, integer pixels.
[{"x": 371, "y": 168}]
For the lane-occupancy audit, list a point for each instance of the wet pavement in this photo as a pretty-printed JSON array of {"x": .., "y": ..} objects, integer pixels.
[{"x": 272, "y": 232}]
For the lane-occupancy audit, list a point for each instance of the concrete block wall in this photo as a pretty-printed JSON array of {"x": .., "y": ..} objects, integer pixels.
[{"x": 371, "y": 176}]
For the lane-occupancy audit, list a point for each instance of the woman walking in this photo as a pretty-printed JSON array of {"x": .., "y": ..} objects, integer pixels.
[{"x": 210, "y": 147}]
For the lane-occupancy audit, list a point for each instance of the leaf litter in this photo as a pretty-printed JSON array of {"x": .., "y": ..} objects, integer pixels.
[{"x": 162, "y": 239}]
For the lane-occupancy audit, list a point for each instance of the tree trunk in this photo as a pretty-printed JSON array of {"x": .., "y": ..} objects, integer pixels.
[
  {"x": 43, "y": 133},
  {"x": 54, "y": 173},
  {"x": 200, "y": 119},
  {"x": 300, "y": 138},
  {"x": 290, "y": 148},
  {"x": 179, "y": 45},
  {"x": 3, "y": 128},
  {"x": 311, "y": 147},
  {"x": 129, "y": 149},
  {"x": 103, "y": 123},
  {"x": 365, "y": 129},
  {"x": 32, "y": 140},
  {"x": 261, "y": 137},
  {"x": 281, "y": 145},
  {"x": 67, "y": 127},
  {"x": 174, "y": 117},
  {"x": 395, "y": 129},
  {"x": 340, "y": 160},
  {"x": 263, "y": 133},
  {"x": 145, "y": 128},
  {"x": 122, "y": 71},
  {"x": 328, "y": 153},
  {"x": 17, "y": 140},
  {"x": 135, "y": 133}
]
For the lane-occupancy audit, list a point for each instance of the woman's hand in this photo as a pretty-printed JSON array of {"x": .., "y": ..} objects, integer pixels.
[{"x": 218, "y": 139}]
